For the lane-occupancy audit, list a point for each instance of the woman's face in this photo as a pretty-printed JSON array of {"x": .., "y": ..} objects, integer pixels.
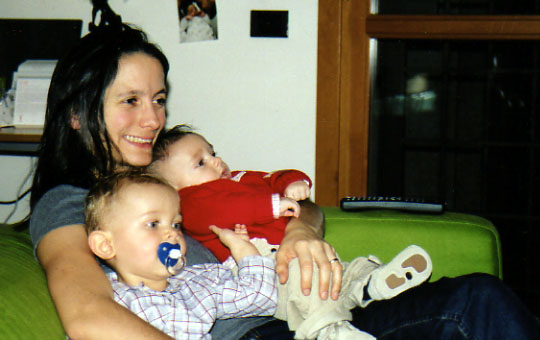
[{"x": 134, "y": 108}]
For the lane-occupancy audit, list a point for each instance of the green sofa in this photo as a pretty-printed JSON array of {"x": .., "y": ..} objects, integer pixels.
[{"x": 458, "y": 244}]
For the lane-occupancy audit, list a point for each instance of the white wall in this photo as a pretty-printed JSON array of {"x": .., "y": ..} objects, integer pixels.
[
  {"x": 253, "y": 98},
  {"x": 16, "y": 176}
]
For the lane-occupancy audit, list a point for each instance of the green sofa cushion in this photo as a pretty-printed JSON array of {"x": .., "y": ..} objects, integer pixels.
[
  {"x": 457, "y": 243},
  {"x": 26, "y": 309}
]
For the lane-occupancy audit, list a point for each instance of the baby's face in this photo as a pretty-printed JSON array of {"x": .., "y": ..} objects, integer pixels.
[
  {"x": 192, "y": 10},
  {"x": 140, "y": 219},
  {"x": 192, "y": 161}
]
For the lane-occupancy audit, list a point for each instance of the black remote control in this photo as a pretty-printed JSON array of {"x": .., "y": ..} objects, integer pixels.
[{"x": 397, "y": 203}]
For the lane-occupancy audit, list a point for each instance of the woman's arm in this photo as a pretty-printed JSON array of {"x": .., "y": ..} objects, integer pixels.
[
  {"x": 304, "y": 239},
  {"x": 82, "y": 293}
]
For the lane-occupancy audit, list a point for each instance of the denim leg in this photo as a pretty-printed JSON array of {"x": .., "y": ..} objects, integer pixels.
[
  {"x": 273, "y": 330},
  {"x": 476, "y": 306}
]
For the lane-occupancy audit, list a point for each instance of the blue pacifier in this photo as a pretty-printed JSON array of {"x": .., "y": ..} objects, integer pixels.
[{"x": 170, "y": 255}]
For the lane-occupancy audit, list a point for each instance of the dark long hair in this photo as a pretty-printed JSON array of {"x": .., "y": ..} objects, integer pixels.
[{"x": 77, "y": 91}]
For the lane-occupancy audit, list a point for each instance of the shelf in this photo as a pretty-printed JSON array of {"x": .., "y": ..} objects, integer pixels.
[{"x": 20, "y": 140}]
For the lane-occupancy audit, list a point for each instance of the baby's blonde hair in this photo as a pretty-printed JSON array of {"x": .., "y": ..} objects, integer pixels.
[{"x": 103, "y": 194}]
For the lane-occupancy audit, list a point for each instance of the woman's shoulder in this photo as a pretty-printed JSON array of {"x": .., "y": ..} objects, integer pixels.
[
  {"x": 64, "y": 191},
  {"x": 61, "y": 197},
  {"x": 60, "y": 206}
]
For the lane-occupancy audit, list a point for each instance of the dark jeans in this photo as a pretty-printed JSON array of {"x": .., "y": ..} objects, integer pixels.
[{"x": 476, "y": 306}]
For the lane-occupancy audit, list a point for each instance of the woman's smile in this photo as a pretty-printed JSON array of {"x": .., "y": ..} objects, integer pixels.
[{"x": 140, "y": 140}]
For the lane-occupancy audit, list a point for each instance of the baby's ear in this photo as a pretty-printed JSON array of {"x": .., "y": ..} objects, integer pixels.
[{"x": 101, "y": 244}]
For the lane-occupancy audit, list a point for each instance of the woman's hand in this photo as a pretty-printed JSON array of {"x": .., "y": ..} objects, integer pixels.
[{"x": 303, "y": 240}]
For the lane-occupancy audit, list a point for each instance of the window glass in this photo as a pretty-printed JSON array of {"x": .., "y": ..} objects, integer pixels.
[{"x": 474, "y": 100}]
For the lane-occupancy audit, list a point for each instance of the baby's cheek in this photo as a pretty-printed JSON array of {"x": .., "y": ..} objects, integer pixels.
[{"x": 182, "y": 242}]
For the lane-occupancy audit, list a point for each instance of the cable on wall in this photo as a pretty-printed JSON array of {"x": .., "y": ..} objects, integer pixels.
[
  {"x": 20, "y": 196},
  {"x": 17, "y": 199}
]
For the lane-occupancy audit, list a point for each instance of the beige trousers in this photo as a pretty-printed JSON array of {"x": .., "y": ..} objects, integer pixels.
[{"x": 307, "y": 315}]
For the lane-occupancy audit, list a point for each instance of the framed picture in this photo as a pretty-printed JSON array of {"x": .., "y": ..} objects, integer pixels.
[{"x": 198, "y": 20}]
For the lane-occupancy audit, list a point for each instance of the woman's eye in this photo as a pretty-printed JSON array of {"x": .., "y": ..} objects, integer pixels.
[
  {"x": 131, "y": 101},
  {"x": 161, "y": 101}
]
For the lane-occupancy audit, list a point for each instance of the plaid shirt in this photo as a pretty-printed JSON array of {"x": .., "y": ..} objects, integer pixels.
[{"x": 200, "y": 294}]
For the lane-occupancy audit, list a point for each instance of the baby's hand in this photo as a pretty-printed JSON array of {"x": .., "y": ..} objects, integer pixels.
[
  {"x": 231, "y": 237},
  {"x": 288, "y": 207},
  {"x": 298, "y": 190},
  {"x": 237, "y": 241},
  {"x": 241, "y": 231}
]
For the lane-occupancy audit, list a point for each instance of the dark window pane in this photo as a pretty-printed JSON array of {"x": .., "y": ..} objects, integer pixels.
[
  {"x": 509, "y": 116},
  {"x": 455, "y": 98},
  {"x": 464, "y": 125},
  {"x": 508, "y": 179},
  {"x": 420, "y": 167},
  {"x": 465, "y": 184}
]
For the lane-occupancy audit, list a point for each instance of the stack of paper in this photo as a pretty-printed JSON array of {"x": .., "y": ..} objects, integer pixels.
[{"x": 31, "y": 83}]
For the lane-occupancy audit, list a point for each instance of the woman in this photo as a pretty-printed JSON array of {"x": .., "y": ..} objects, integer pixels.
[{"x": 105, "y": 108}]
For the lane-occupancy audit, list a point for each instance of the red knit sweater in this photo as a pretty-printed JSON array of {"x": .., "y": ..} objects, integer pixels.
[{"x": 246, "y": 199}]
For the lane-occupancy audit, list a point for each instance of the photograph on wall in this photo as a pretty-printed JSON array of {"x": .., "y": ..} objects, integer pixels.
[{"x": 198, "y": 20}]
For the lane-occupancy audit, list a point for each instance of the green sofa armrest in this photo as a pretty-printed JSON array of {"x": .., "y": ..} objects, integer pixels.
[{"x": 458, "y": 244}]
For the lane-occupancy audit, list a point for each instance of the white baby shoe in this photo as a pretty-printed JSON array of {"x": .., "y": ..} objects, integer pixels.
[{"x": 408, "y": 269}]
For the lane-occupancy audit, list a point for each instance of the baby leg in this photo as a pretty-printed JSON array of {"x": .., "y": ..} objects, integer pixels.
[{"x": 311, "y": 317}]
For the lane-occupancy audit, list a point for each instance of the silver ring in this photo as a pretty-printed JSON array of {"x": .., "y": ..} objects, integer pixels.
[{"x": 335, "y": 259}]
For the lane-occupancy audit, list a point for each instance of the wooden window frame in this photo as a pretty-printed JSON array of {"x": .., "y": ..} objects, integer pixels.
[{"x": 346, "y": 28}]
